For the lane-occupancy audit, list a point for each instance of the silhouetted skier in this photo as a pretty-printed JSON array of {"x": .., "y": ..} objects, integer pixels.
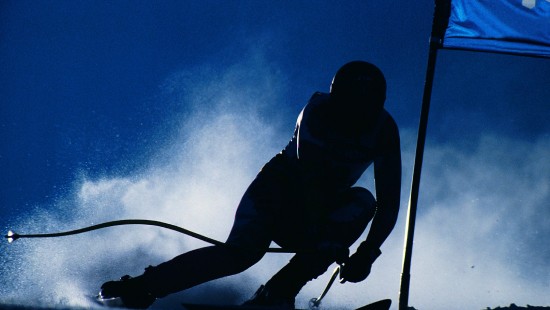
[{"x": 303, "y": 198}]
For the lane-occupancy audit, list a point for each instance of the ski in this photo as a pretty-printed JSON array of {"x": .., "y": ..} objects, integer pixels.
[
  {"x": 188, "y": 306},
  {"x": 383, "y": 304},
  {"x": 106, "y": 302}
]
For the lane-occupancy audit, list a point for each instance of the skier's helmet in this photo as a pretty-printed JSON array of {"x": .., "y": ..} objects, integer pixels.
[{"x": 359, "y": 86}]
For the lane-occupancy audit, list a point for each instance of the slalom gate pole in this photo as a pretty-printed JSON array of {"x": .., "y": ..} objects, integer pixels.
[
  {"x": 439, "y": 25},
  {"x": 415, "y": 187}
]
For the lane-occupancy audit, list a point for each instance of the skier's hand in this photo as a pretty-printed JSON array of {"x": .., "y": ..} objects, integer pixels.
[
  {"x": 338, "y": 252},
  {"x": 357, "y": 268}
]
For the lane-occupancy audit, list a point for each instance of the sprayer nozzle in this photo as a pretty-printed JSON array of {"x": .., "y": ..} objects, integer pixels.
[{"x": 11, "y": 236}]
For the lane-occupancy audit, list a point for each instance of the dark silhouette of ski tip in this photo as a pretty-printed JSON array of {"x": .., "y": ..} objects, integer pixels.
[
  {"x": 514, "y": 307},
  {"x": 383, "y": 304}
]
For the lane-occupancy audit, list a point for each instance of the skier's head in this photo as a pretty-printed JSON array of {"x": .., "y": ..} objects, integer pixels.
[{"x": 360, "y": 88}]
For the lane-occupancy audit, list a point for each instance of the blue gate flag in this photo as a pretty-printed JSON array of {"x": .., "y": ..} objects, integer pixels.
[{"x": 503, "y": 26}]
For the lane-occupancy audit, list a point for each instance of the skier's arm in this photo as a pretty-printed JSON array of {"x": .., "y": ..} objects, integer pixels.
[{"x": 387, "y": 175}]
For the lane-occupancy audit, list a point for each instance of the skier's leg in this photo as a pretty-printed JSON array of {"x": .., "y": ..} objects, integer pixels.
[
  {"x": 196, "y": 267},
  {"x": 246, "y": 245},
  {"x": 250, "y": 231},
  {"x": 182, "y": 272},
  {"x": 346, "y": 224}
]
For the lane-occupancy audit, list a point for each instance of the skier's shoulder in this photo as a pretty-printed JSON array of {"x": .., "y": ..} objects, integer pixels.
[
  {"x": 388, "y": 134},
  {"x": 318, "y": 99},
  {"x": 388, "y": 122},
  {"x": 314, "y": 111}
]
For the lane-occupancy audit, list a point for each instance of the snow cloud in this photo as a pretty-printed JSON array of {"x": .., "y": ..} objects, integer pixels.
[{"x": 481, "y": 236}]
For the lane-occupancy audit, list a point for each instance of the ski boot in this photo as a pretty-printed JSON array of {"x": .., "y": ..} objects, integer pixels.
[
  {"x": 127, "y": 292},
  {"x": 266, "y": 298}
]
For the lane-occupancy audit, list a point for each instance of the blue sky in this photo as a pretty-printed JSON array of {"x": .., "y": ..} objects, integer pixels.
[{"x": 127, "y": 102}]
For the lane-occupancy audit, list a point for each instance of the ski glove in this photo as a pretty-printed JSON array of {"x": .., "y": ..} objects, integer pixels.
[
  {"x": 357, "y": 267},
  {"x": 338, "y": 252}
]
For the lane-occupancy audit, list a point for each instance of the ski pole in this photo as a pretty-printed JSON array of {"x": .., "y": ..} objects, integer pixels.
[
  {"x": 13, "y": 236},
  {"x": 314, "y": 303}
]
